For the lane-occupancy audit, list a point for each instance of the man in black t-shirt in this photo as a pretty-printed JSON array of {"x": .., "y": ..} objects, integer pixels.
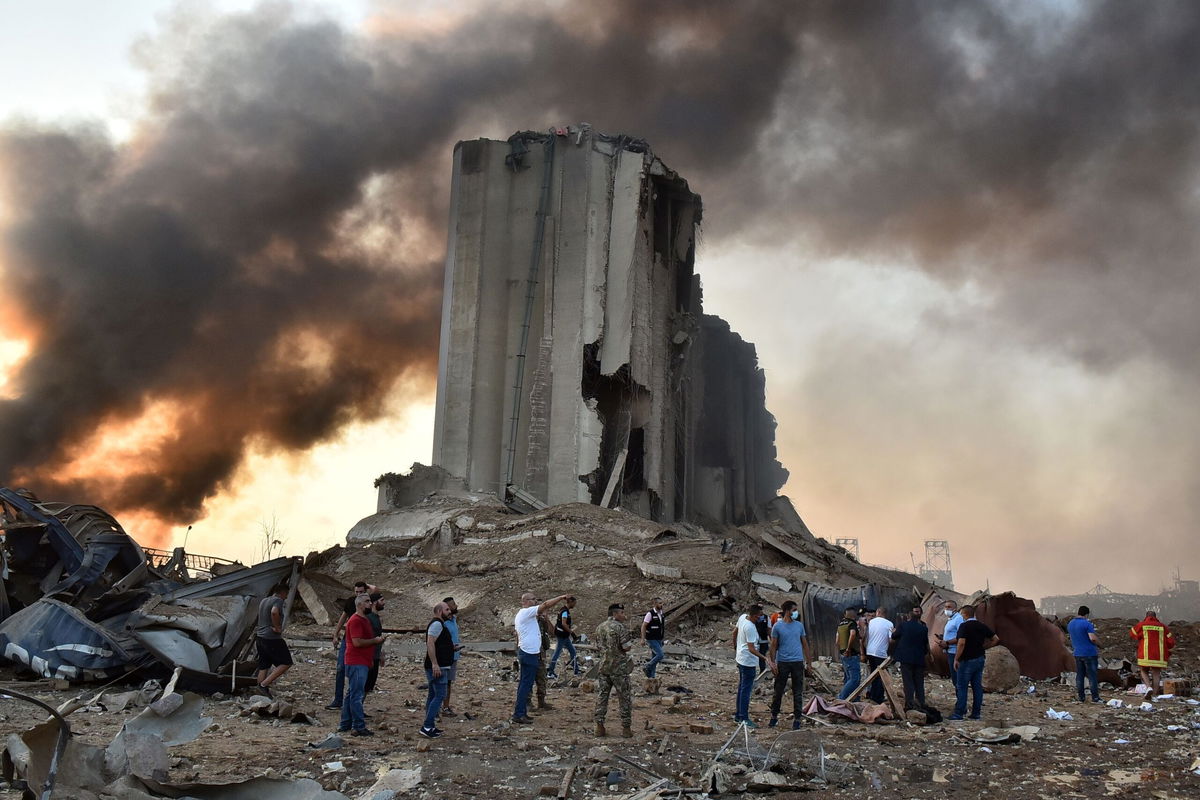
[
  {"x": 563, "y": 633},
  {"x": 973, "y": 638}
]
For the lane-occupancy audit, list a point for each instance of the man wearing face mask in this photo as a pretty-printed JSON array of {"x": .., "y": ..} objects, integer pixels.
[
  {"x": 788, "y": 657},
  {"x": 950, "y": 636}
]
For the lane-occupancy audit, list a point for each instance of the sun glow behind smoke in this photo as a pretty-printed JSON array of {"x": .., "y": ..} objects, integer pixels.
[{"x": 13, "y": 353}]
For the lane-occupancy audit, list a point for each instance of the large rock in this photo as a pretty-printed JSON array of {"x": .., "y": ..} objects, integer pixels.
[{"x": 1001, "y": 672}]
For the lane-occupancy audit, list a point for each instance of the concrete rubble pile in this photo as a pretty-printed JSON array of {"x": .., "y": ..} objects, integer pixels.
[{"x": 81, "y": 600}]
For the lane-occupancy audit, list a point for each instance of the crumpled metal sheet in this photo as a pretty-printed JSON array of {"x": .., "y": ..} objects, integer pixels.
[
  {"x": 824, "y": 606},
  {"x": 1038, "y": 644},
  {"x": 56, "y": 640},
  {"x": 181, "y": 727}
]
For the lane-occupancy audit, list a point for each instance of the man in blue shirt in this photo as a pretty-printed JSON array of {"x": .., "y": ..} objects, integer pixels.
[
  {"x": 950, "y": 636},
  {"x": 787, "y": 657},
  {"x": 912, "y": 646},
  {"x": 1087, "y": 655}
]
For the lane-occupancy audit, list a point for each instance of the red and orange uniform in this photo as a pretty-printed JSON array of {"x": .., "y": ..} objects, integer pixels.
[{"x": 1154, "y": 642}]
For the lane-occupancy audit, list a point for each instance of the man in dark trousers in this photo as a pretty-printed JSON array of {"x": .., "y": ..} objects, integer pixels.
[
  {"x": 563, "y": 633},
  {"x": 439, "y": 658},
  {"x": 654, "y": 633},
  {"x": 973, "y": 638},
  {"x": 788, "y": 657},
  {"x": 373, "y": 610},
  {"x": 451, "y": 622},
  {"x": 274, "y": 658},
  {"x": 912, "y": 647}
]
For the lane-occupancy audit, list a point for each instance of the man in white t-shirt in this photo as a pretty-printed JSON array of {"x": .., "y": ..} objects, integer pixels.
[
  {"x": 879, "y": 636},
  {"x": 747, "y": 656},
  {"x": 529, "y": 646}
]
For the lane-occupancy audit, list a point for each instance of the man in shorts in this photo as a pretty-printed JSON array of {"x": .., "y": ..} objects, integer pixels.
[{"x": 274, "y": 658}]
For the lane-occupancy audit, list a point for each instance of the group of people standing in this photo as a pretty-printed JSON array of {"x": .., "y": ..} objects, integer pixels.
[
  {"x": 613, "y": 642},
  {"x": 778, "y": 643},
  {"x": 873, "y": 639}
]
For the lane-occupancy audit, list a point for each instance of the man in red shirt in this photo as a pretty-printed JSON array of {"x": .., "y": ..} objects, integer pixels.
[{"x": 361, "y": 642}]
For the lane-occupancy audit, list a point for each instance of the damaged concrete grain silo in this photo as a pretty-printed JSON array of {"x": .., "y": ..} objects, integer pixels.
[{"x": 576, "y": 363}]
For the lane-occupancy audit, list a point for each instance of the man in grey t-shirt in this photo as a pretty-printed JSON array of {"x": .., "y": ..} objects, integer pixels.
[{"x": 274, "y": 658}]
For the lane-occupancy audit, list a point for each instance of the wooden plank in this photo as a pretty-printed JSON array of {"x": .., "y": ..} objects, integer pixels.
[
  {"x": 863, "y": 686},
  {"x": 614, "y": 478},
  {"x": 565, "y": 790}
]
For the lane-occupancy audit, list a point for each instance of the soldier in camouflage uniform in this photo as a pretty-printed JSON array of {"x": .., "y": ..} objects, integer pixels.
[
  {"x": 613, "y": 642},
  {"x": 540, "y": 681}
]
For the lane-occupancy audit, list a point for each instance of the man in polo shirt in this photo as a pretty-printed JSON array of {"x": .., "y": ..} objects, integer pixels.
[
  {"x": 973, "y": 638},
  {"x": 788, "y": 657},
  {"x": 1087, "y": 655},
  {"x": 361, "y": 642},
  {"x": 529, "y": 644},
  {"x": 439, "y": 658}
]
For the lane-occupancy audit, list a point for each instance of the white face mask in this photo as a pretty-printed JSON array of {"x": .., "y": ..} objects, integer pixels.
[
  {"x": 949, "y": 612},
  {"x": 795, "y": 615}
]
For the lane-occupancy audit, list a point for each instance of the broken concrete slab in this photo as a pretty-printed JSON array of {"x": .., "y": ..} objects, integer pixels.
[{"x": 395, "y": 781}]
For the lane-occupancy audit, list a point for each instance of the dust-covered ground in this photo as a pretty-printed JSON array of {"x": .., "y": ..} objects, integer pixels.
[{"x": 1102, "y": 752}]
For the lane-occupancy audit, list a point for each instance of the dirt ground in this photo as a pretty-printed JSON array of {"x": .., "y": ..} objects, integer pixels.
[{"x": 1102, "y": 752}]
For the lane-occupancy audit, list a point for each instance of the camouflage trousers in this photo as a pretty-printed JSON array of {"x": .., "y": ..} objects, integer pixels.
[
  {"x": 604, "y": 686},
  {"x": 540, "y": 679}
]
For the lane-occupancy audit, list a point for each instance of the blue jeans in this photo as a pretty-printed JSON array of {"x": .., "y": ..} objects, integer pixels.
[
  {"x": 970, "y": 673},
  {"x": 852, "y": 674},
  {"x": 529, "y": 668},
  {"x": 437, "y": 693},
  {"x": 656, "y": 647},
  {"x": 1086, "y": 665},
  {"x": 564, "y": 642},
  {"x": 339, "y": 681},
  {"x": 746, "y": 676},
  {"x": 950, "y": 663},
  {"x": 356, "y": 688}
]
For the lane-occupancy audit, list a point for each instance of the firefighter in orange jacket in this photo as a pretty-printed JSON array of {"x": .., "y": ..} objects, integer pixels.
[{"x": 1154, "y": 643}]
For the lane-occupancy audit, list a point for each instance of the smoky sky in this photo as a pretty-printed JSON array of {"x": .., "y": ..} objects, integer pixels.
[{"x": 285, "y": 193}]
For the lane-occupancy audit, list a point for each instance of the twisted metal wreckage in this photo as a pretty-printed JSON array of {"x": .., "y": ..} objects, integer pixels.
[{"x": 81, "y": 600}]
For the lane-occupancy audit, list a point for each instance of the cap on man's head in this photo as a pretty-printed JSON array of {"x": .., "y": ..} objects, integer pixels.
[{"x": 615, "y": 607}]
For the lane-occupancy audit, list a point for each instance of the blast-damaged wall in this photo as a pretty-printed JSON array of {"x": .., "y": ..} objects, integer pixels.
[{"x": 575, "y": 360}]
